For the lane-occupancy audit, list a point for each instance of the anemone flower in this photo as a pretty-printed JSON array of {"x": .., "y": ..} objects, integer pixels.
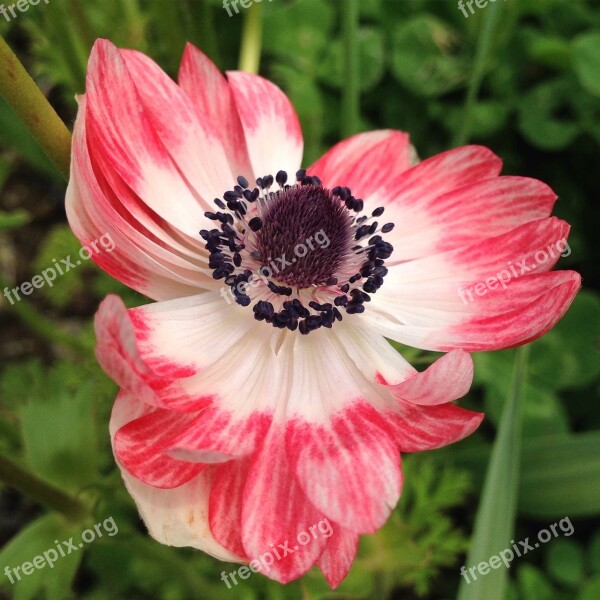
[{"x": 262, "y": 411}]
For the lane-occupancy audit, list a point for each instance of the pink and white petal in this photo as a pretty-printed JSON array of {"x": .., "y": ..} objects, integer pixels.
[
  {"x": 138, "y": 258},
  {"x": 135, "y": 266},
  {"x": 488, "y": 208},
  {"x": 468, "y": 214},
  {"x": 339, "y": 554},
  {"x": 188, "y": 335},
  {"x": 212, "y": 101},
  {"x": 175, "y": 517},
  {"x": 151, "y": 350},
  {"x": 219, "y": 435},
  {"x": 365, "y": 162},
  {"x": 418, "y": 428},
  {"x": 334, "y": 466},
  {"x": 521, "y": 246},
  {"x": 122, "y": 200},
  {"x": 435, "y": 293},
  {"x": 447, "y": 379},
  {"x": 116, "y": 263},
  {"x": 436, "y": 280},
  {"x": 248, "y": 381},
  {"x": 118, "y": 355},
  {"x": 123, "y": 140},
  {"x": 334, "y": 435},
  {"x": 318, "y": 388},
  {"x": 193, "y": 143},
  {"x": 225, "y": 504},
  {"x": 198, "y": 354},
  {"x": 119, "y": 199},
  {"x": 407, "y": 196},
  {"x": 141, "y": 447},
  {"x": 246, "y": 395},
  {"x": 270, "y": 124},
  {"x": 179, "y": 517},
  {"x": 439, "y": 175},
  {"x": 373, "y": 356},
  {"x": 519, "y": 326},
  {"x": 275, "y": 511},
  {"x": 522, "y": 312}
]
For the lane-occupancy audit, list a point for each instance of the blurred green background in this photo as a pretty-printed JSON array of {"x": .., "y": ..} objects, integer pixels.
[{"x": 537, "y": 106}]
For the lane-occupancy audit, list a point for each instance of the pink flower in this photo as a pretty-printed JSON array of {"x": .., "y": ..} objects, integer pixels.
[{"x": 259, "y": 396}]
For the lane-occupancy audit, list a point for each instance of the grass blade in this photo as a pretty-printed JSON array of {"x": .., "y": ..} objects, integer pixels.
[{"x": 494, "y": 522}]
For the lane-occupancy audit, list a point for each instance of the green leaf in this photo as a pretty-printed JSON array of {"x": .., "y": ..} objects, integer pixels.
[
  {"x": 543, "y": 411},
  {"x": 310, "y": 35},
  {"x": 488, "y": 117},
  {"x": 512, "y": 592},
  {"x": 586, "y": 61},
  {"x": 19, "y": 380},
  {"x": 591, "y": 591},
  {"x": 60, "y": 438},
  {"x": 539, "y": 119},
  {"x": 593, "y": 557},
  {"x": 14, "y": 219},
  {"x": 568, "y": 356},
  {"x": 564, "y": 561},
  {"x": 533, "y": 585},
  {"x": 561, "y": 476},
  {"x": 370, "y": 60},
  {"x": 424, "y": 56},
  {"x": 61, "y": 243},
  {"x": 370, "y": 8},
  {"x": 32, "y": 541},
  {"x": 495, "y": 515},
  {"x": 549, "y": 50}
]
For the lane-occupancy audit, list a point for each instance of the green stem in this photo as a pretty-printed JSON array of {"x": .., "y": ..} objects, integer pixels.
[
  {"x": 251, "y": 39},
  {"x": 44, "y": 327},
  {"x": 481, "y": 55},
  {"x": 31, "y": 106},
  {"x": 351, "y": 97},
  {"x": 25, "y": 482},
  {"x": 494, "y": 522}
]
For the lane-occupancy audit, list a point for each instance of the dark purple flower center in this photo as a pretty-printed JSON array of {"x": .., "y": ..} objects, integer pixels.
[
  {"x": 307, "y": 232},
  {"x": 301, "y": 240}
]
